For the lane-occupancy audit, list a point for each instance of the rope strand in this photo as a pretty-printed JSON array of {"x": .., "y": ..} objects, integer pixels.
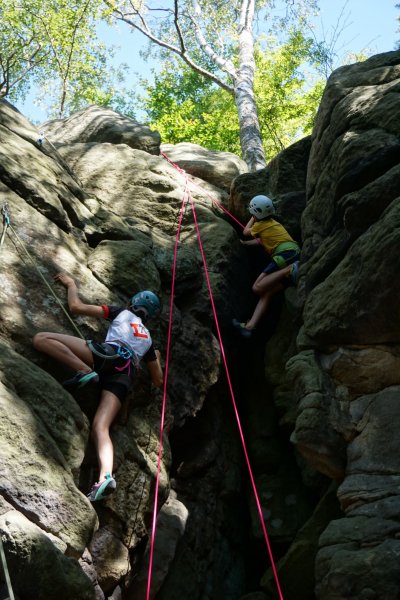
[
  {"x": 6, "y": 573},
  {"x": 46, "y": 282},
  {"x": 253, "y": 484},
  {"x": 153, "y": 532},
  {"x": 193, "y": 185}
]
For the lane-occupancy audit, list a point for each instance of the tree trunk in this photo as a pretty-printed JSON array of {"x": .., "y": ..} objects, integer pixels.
[{"x": 250, "y": 135}]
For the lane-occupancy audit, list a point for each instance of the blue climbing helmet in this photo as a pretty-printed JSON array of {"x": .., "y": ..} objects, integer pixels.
[{"x": 146, "y": 303}]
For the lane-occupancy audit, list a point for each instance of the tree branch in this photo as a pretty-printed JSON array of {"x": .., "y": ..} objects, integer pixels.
[
  {"x": 178, "y": 28},
  {"x": 154, "y": 38},
  {"x": 226, "y": 65}
]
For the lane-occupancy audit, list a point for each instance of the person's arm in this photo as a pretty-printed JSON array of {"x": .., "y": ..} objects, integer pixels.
[
  {"x": 76, "y": 306},
  {"x": 247, "y": 229},
  {"x": 155, "y": 370},
  {"x": 254, "y": 242}
]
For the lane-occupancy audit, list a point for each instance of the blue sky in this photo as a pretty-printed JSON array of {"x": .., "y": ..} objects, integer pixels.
[{"x": 367, "y": 25}]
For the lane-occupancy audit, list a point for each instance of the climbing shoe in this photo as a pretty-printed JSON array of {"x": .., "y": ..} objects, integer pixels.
[
  {"x": 81, "y": 379},
  {"x": 103, "y": 489},
  {"x": 241, "y": 328},
  {"x": 294, "y": 273}
]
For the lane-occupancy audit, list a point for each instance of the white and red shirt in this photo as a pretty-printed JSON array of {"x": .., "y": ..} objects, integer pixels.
[{"x": 128, "y": 328}]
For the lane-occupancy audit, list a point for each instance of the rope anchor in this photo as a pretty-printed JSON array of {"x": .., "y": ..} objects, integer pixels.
[
  {"x": 5, "y": 211},
  {"x": 6, "y": 222}
]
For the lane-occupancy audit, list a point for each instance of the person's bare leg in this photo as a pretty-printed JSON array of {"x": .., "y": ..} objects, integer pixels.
[
  {"x": 268, "y": 282},
  {"x": 262, "y": 306},
  {"x": 66, "y": 349},
  {"x": 108, "y": 409},
  {"x": 265, "y": 286}
]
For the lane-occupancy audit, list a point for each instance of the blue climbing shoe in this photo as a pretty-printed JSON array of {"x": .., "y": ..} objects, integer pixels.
[
  {"x": 241, "y": 328},
  {"x": 81, "y": 379},
  {"x": 294, "y": 273},
  {"x": 102, "y": 489}
]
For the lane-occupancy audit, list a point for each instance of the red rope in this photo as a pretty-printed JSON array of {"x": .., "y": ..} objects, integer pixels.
[
  {"x": 192, "y": 184},
  {"x": 171, "y": 304},
  {"x": 186, "y": 196},
  {"x": 234, "y": 403}
]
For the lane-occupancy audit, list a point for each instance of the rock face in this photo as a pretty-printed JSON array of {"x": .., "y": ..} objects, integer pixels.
[
  {"x": 105, "y": 209},
  {"x": 317, "y": 387},
  {"x": 99, "y": 125},
  {"x": 344, "y": 376},
  {"x": 218, "y": 168}
]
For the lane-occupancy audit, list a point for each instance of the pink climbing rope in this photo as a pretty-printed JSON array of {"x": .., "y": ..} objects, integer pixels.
[
  {"x": 234, "y": 403},
  {"x": 188, "y": 197},
  {"x": 160, "y": 449},
  {"x": 193, "y": 185}
]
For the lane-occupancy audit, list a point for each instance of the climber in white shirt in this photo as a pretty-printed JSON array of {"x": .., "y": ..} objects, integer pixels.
[{"x": 112, "y": 363}]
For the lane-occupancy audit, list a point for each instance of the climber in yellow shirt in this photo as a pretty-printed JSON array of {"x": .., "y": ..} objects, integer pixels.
[{"x": 284, "y": 252}]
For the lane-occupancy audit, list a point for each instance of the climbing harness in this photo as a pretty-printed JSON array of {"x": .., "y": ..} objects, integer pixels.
[
  {"x": 7, "y": 225},
  {"x": 284, "y": 247},
  {"x": 6, "y": 573},
  {"x": 187, "y": 198},
  {"x": 121, "y": 351}
]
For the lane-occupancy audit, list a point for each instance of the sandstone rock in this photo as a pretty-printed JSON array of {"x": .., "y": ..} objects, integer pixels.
[
  {"x": 48, "y": 188},
  {"x": 357, "y": 561},
  {"x": 296, "y": 568},
  {"x": 334, "y": 313},
  {"x": 39, "y": 484},
  {"x": 363, "y": 370},
  {"x": 37, "y": 569},
  {"x": 171, "y": 523},
  {"x": 100, "y": 125},
  {"x": 218, "y": 168},
  {"x": 110, "y": 558},
  {"x": 288, "y": 169},
  {"x": 50, "y": 403},
  {"x": 350, "y": 227},
  {"x": 187, "y": 397},
  {"x": 115, "y": 264},
  {"x": 115, "y": 233},
  {"x": 144, "y": 190},
  {"x": 87, "y": 566},
  {"x": 243, "y": 188},
  {"x": 316, "y": 434}
]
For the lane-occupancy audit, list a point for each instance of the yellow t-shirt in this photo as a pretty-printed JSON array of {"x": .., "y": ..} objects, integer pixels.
[{"x": 271, "y": 234}]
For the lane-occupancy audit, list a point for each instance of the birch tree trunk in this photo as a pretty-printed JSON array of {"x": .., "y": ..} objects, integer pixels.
[
  {"x": 250, "y": 134},
  {"x": 187, "y": 17}
]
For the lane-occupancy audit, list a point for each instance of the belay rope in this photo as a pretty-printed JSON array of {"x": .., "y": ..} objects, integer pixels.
[
  {"x": 164, "y": 400},
  {"x": 7, "y": 225},
  {"x": 187, "y": 197},
  {"x": 6, "y": 573}
]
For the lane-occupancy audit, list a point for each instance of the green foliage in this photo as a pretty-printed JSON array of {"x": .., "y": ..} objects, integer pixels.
[
  {"x": 54, "y": 44},
  {"x": 183, "y": 106}
]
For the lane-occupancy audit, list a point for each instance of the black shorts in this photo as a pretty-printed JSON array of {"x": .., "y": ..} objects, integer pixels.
[
  {"x": 289, "y": 257},
  {"x": 115, "y": 375}
]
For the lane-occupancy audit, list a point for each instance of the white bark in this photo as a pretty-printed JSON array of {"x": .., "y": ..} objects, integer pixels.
[
  {"x": 250, "y": 135},
  {"x": 241, "y": 77}
]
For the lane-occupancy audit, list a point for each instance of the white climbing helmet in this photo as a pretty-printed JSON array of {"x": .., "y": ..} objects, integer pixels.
[{"x": 261, "y": 207}]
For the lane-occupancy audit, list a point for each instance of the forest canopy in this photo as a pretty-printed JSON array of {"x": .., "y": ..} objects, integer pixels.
[{"x": 228, "y": 74}]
